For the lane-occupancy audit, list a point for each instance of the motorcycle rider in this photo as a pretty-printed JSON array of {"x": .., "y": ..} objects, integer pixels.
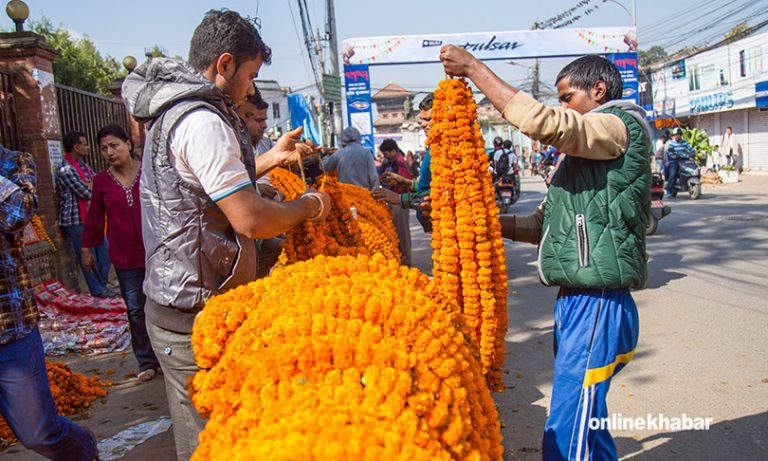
[{"x": 677, "y": 149}]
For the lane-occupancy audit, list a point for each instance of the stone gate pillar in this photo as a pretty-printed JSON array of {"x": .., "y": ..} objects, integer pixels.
[{"x": 29, "y": 59}]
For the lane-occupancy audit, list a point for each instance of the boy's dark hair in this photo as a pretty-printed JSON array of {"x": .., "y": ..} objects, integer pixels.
[
  {"x": 72, "y": 139},
  {"x": 584, "y": 72},
  {"x": 224, "y": 31},
  {"x": 426, "y": 103},
  {"x": 257, "y": 100},
  {"x": 507, "y": 144}
]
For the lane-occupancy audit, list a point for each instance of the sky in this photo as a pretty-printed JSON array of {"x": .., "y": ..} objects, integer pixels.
[{"x": 127, "y": 28}]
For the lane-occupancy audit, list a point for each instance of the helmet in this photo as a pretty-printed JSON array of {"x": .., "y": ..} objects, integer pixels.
[{"x": 677, "y": 130}]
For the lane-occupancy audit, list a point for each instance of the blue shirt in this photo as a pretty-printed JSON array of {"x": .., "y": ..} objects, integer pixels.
[{"x": 425, "y": 176}]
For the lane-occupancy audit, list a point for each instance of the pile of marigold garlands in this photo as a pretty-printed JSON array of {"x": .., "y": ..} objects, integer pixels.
[
  {"x": 341, "y": 233},
  {"x": 468, "y": 254},
  {"x": 340, "y": 358},
  {"x": 71, "y": 392}
]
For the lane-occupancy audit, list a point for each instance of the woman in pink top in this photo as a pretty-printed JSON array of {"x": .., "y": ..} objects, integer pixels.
[{"x": 115, "y": 200}]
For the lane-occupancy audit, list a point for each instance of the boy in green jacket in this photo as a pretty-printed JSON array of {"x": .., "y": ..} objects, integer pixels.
[{"x": 590, "y": 232}]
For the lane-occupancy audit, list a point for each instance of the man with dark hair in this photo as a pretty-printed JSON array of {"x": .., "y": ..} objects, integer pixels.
[
  {"x": 202, "y": 214},
  {"x": 590, "y": 232},
  {"x": 421, "y": 187},
  {"x": 27, "y": 404},
  {"x": 254, "y": 114},
  {"x": 73, "y": 180}
]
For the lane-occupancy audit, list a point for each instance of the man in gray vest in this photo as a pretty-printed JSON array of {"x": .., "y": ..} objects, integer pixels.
[
  {"x": 201, "y": 213},
  {"x": 590, "y": 232}
]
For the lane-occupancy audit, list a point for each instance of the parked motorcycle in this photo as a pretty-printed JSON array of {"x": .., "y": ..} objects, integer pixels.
[
  {"x": 507, "y": 189},
  {"x": 658, "y": 209},
  {"x": 688, "y": 179}
]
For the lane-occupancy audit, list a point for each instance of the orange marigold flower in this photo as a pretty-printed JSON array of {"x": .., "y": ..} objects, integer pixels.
[{"x": 468, "y": 254}]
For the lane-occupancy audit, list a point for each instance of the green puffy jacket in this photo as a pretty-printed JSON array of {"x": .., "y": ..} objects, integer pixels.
[{"x": 593, "y": 234}]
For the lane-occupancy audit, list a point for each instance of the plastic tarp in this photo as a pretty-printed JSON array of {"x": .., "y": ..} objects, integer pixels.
[{"x": 301, "y": 115}]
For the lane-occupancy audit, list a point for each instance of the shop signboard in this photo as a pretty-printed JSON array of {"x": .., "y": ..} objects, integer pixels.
[{"x": 761, "y": 94}]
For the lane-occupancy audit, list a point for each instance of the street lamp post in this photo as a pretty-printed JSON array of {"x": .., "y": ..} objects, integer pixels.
[{"x": 632, "y": 14}]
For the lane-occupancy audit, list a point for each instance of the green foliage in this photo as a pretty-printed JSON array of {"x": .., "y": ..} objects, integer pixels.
[
  {"x": 699, "y": 141},
  {"x": 651, "y": 55},
  {"x": 79, "y": 64}
]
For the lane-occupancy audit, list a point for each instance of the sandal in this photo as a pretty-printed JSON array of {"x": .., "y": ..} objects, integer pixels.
[{"x": 147, "y": 375}]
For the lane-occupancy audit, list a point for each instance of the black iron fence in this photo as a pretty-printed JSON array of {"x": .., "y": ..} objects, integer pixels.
[
  {"x": 9, "y": 133},
  {"x": 89, "y": 112}
]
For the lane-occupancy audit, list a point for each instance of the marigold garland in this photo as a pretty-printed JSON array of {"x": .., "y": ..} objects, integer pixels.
[
  {"x": 71, "y": 392},
  {"x": 340, "y": 234},
  {"x": 468, "y": 251},
  {"x": 37, "y": 224},
  {"x": 340, "y": 358}
]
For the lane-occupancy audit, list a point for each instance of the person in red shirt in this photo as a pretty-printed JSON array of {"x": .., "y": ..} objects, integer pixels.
[
  {"x": 115, "y": 206},
  {"x": 395, "y": 163}
]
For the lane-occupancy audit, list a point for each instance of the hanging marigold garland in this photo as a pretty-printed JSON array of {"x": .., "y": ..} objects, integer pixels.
[
  {"x": 371, "y": 211},
  {"x": 71, "y": 392},
  {"x": 340, "y": 358},
  {"x": 341, "y": 233},
  {"x": 37, "y": 224},
  {"x": 468, "y": 252}
]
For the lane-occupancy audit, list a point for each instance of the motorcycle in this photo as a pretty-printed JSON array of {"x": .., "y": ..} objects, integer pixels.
[
  {"x": 507, "y": 189},
  {"x": 658, "y": 209},
  {"x": 688, "y": 179}
]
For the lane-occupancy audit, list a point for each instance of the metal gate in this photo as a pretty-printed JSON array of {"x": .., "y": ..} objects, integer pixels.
[
  {"x": 89, "y": 112},
  {"x": 9, "y": 133}
]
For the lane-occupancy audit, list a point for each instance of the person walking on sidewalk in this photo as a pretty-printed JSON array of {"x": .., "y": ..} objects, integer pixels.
[
  {"x": 201, "y": 213},
  {"x": 590, "y": 232},
  {"x": 115, "y": 199},
  {"x": 27, "y": 404},
  {"x": 74, "y": 179}
]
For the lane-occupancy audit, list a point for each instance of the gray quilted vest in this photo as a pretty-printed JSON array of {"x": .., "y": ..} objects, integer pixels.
[{"x": 192, "y": 251}]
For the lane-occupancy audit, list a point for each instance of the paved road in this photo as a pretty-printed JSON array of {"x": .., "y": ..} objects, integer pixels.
[{"x": 703, "y": 341}]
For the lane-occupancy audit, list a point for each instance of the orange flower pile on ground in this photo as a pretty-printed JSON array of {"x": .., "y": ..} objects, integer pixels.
[
  {"x": 340, "y": 234},
  {"x": 468, "y": 251},
  {"x": 340, "y": 358},
  {"x": 71, "y": 392}
]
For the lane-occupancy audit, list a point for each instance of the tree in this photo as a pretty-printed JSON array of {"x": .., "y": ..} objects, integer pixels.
[
  {"x": 651, "y": 55},
  {"x": 79, "y": 64}
]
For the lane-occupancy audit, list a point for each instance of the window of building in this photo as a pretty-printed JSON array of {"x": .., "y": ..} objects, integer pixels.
[
  {"x": 694, "y": 75},
  {"x": 276, "y": 110}
]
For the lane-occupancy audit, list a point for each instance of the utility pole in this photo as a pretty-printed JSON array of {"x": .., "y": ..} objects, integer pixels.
[
  {"x": 634, "y": 13},
  {"x": 333, "y": 46},
  {"x": 323, "y": 118},
  {"x": 535, "y": 80}
]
